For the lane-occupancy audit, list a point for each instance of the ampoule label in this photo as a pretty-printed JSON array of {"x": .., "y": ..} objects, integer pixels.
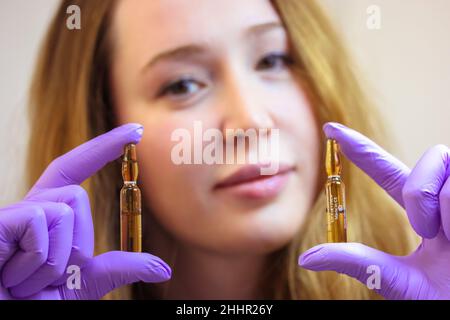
[{"x": 335, "y": 211}]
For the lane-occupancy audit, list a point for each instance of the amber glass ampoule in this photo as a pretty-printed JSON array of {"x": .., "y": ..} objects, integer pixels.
[
  {"x": 335, "y": 195},
  {"x": 130, "y": 203}
]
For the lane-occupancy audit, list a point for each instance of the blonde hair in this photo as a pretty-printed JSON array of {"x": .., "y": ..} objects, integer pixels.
[{"x": 70, "y": 103}]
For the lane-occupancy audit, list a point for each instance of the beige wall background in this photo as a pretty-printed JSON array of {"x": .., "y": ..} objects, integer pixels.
[{"x": 406, "y": 65}]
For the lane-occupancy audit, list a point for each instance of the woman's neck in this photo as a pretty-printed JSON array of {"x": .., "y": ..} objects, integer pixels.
[
  {"x": 204, "y": 275},
  {"x": 200, "y": 274}
]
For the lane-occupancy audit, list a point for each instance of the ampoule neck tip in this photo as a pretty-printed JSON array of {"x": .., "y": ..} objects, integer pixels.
[{"x": 130, "y": 152}]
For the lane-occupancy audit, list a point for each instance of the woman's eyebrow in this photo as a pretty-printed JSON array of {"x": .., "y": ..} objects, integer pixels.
[
  {"x": 187, "y": 51},
  {"x": 264, "y": 27},
  {"x": 183, "y": 52}
]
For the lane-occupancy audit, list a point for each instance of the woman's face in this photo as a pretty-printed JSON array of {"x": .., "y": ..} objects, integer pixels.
[{"x": 225, "y": 65}]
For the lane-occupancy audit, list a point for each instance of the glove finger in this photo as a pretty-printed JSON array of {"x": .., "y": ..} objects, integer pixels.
[
  {"x": 83, "y": 231},
  {"x": 82, "y": 162},
  {"x": 422, "y": 189},
  {"x": 24, "y": 242},
  {"x": 382, "y": 272},
  {"x": 386, "y": 170},
  {"x": 114, "y": 269},
  {"x": 60, "y": 219}
]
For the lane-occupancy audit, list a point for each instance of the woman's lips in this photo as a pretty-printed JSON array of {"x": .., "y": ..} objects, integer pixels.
[{"x": 248, "y": 182}]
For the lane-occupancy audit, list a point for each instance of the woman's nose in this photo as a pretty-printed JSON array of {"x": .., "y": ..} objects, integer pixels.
[{"x": 245, "y": 108}]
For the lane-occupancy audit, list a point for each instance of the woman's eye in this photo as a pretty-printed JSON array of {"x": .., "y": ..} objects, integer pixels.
[
  {"x": 181, "y": 87},
  {"x": 274, "y": 61}
]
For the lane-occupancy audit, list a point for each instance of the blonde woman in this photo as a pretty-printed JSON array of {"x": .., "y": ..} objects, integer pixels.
[{"x": 139, "y": 70}]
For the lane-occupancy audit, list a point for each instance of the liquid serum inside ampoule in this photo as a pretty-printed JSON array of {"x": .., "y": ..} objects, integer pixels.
[
  {"x": 335, "y": 195},
  {"x": 130, "y": 203}
]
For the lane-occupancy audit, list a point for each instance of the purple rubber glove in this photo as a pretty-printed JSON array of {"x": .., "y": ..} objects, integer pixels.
[
  {"x": 424, "y": 192},
  {"x": 52, "y": 229}
]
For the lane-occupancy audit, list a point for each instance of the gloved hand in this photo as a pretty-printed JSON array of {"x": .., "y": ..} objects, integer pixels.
[
  {"x": 52, "y": 229},
  {"x": 424, "y": 192}
]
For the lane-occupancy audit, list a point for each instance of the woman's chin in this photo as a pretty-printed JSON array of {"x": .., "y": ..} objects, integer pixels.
[{"x": 249, "y": 240}]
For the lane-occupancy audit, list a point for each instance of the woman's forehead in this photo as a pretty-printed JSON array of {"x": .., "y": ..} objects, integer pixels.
[{"x": 170, "y": 23}]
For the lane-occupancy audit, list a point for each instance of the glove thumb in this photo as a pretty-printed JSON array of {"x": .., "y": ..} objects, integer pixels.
[
  {"x": 375, "y": 269},
  {"x": 114, "y": 269}
]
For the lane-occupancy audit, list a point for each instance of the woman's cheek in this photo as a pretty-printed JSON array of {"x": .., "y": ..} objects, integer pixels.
[
  {"x": 154, "y": 151},
  {"x": 159, "y": 170}
]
